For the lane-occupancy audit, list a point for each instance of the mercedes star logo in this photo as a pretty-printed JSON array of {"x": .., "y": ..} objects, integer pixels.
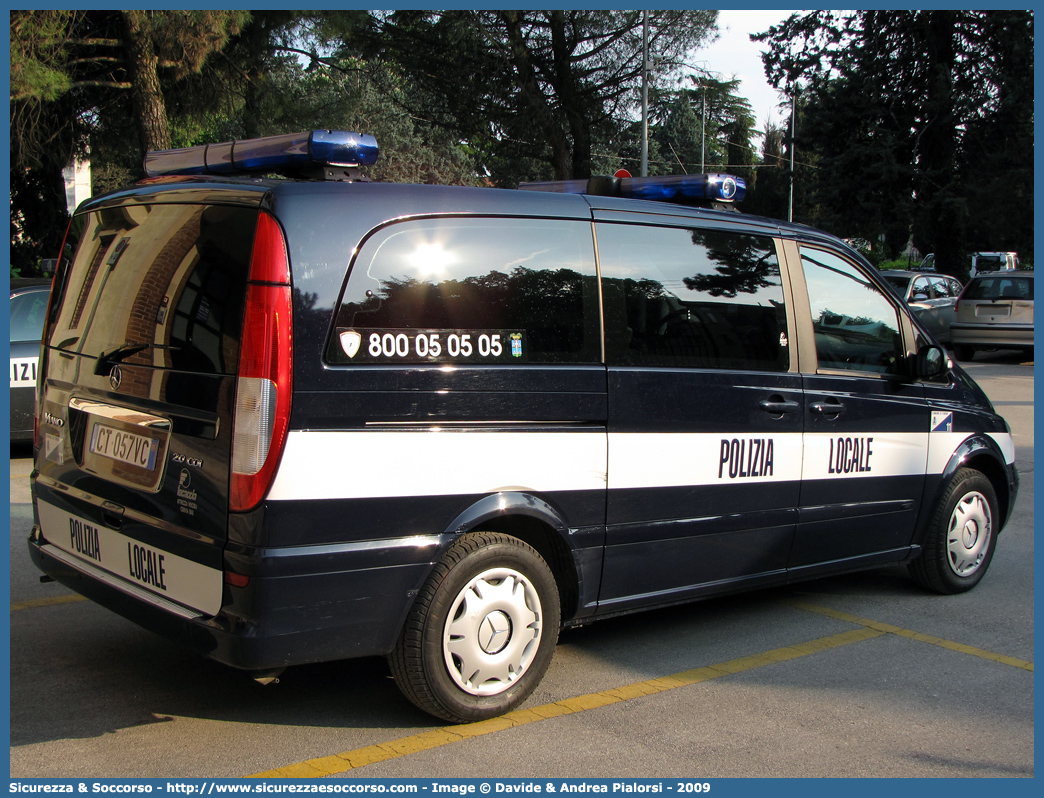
[
  {"x": 115, "y": 377},
  {"x": 495, "y": 632}
]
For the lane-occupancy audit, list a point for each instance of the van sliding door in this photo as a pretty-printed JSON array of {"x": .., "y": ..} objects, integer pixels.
[{"x": 705, "y": 422}]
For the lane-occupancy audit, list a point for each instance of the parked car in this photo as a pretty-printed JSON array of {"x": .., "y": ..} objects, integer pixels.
[
  {"x": 931, "y": 297},
  {"x": 28, "y": 309},
  {"x": 293, "y": 420},
  {"x": 995, "y": 311},
  {"x": 985, "y": 262}
]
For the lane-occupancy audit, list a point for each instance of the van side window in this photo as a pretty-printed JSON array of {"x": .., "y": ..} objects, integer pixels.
[
  {"x": 692, "y": 298},
  {"x": 471, "y": 291},
  {"x": 856, "y": 327}
]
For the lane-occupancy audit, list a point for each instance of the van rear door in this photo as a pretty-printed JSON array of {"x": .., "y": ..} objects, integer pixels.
[{"x": 138, "y": 392}]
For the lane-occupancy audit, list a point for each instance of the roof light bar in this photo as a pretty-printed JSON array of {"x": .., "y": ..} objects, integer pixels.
[
  {"x": 668, "y": 188},
  {"x": 289, "y": 153}
]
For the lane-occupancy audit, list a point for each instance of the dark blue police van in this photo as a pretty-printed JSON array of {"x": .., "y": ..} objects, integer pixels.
[{"x": 292, "y": 420}]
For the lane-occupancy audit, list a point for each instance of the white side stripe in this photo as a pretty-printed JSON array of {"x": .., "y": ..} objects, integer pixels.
[
  {"x": 655, "y": 460},
  {"x": 869, "y": 454},
  {"x": 385, "y": 464},
  {"x": 1006, "y": 444},
  {"x": 352, "y": 465}
]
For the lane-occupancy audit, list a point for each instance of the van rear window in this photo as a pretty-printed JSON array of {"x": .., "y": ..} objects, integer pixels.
[
  {"x": 169, "y": 277},
  {"x": 458, "y": 290}
]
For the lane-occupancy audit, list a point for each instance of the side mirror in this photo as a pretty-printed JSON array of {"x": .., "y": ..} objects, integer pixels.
[
  {"x": 920, "y": 296},
  {"x": 931, "y": 362}
]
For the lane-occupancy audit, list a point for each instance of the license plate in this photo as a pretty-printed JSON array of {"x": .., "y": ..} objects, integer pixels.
[
  {"x": 993, "y": 310},
  {"x": 125, "y": 447}
]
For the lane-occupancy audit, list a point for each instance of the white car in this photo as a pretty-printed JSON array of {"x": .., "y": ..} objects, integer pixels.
[{"x": 995, "y": 311}]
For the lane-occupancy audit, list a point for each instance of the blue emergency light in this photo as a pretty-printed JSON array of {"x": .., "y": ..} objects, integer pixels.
[
  {"x": 667, "y": 188},
  {"x": 287, "y": 154}
]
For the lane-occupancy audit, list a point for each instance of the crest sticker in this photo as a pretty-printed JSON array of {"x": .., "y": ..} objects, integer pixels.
[
  {"x": 350, "y": 341},
  {"x": 942, "y": 421}
]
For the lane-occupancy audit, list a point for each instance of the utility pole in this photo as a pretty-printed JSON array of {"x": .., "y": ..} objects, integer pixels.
[
  {"x": 793, "y": 128},
  {"x": 645, "y": 94},
  {"x": 703, "y": 135},
  {"x": 702, "y": 83}
]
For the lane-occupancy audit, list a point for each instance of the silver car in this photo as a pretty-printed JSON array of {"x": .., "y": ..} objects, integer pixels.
[
  {"x": 995, "y": 311},
  {"x": 931, "y": 297}
]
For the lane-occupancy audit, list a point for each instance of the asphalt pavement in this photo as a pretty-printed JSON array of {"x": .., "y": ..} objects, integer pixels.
[{"x": 857, "y": 676}]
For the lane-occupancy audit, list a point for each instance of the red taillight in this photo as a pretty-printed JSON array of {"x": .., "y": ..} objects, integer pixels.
[{"x": 263, "y": 388}]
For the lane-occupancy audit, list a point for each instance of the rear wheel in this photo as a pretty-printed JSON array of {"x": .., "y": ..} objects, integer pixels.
[
  {"x": 962, "y": 537},
  {"x": 482, "y": 631}
]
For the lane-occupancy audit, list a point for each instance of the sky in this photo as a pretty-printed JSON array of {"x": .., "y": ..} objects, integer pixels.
[{"x": 735, "y": 55}]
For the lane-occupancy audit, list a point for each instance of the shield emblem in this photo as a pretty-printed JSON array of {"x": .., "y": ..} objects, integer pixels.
[{"x": 350, "y": 341}]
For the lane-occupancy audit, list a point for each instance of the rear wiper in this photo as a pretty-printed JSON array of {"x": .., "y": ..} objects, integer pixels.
[{"x": 107, "y": 360}]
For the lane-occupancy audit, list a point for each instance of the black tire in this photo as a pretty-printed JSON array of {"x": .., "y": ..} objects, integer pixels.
[
  {"x": 964, "y": 352},
  {"x": 499, "y": 650},
  {"x": 962, "y": 537}
]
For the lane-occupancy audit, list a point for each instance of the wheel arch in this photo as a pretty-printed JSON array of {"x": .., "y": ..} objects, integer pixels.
[
  {"x": 534, "y": 521},
  {"x": 984, "y": 455}
]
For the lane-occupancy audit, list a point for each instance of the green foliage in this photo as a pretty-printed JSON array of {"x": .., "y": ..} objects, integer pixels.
[
  {"x": 909, "y": 119},
  {"x": 769, "y": 184},
  {"x": 184, "y": 39},
  {"x": 898, "y": 263},
  {"x": 533, "y": 91},
  {"x": 38, "y": 51}
]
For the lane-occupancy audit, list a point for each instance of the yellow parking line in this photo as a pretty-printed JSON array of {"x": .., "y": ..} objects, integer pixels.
[
  {"x": 45, "y": 602},
  {"x": 898, "y": 630},
  {"x": 349, "y": 760}
]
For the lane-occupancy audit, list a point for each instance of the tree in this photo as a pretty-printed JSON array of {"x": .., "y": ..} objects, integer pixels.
[
  {"x": 536, "y": 87},
  {"x": 707, "y": 127},
  {"x": 898, "y": 104},
  {"x": 767, "y": 193},
  {"x": 73, "y": 72},
  {"x": 97, "y": 57}
]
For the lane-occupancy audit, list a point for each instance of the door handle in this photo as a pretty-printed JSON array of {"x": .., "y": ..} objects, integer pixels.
[
  {"x": 827, "y": 408},
  {"x": 778, "y": 407}
]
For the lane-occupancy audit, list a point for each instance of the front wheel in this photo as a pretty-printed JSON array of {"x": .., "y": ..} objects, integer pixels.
[
  {"x": 482, "y": 631},
  {"x": 962, "y": 536}
]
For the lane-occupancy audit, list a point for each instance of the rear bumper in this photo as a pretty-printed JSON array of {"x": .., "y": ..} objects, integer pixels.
[
  {"x": 1016, "y": 336},
  {"x": 344, "y": 608}
]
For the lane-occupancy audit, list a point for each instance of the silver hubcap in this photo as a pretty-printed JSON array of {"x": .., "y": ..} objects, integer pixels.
[
  {"x": 493, "y": 631},
  {"x": 968, "y": 535}
]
